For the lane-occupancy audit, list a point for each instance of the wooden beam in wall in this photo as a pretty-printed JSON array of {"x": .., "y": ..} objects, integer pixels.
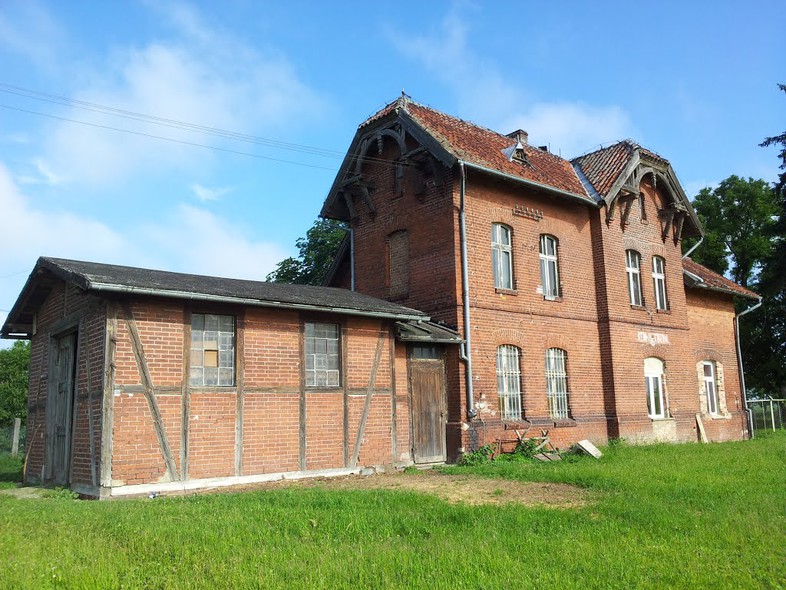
[
  {"x": 185, "y": 395},
  {"x": 393, "y": 409},
  {"x": 372, "y": 379},
  {"x": 240, "y": 395},
  {"x": 90, "y": 421},
  {"x": 302, "y": 402},
  {"x": 108, "y": 405},
  {"x": 147, "y": 382}
]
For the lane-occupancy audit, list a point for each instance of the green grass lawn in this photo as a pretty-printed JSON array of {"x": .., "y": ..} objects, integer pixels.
[{"x": 662, "y": 516}]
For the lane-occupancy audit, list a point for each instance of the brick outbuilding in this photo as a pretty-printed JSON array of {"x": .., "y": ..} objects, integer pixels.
[
  {"x": 580, "y": 314},
  {"x": 144, "y": 380}
]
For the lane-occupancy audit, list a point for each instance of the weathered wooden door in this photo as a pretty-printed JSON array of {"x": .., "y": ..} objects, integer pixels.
[
  {"x": 59, "y": 408},
  {"x": 427, "y": 387}
]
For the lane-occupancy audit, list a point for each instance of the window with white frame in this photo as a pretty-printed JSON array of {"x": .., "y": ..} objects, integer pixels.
[
  {"x": 509, "y": 382},
  {"x": 557, "y": 383},
  {"x": 322, "y": 355},
  {"x": 633, "y": 269},
  {"x": 502, "y": 256},
  {"x": 212, "y": 361},
  {"x": 711, "y": 386},
  {"x": 653, "y": 378},
  {"x": 659, "y": 282},
  {"x": 549, "y": 271}
]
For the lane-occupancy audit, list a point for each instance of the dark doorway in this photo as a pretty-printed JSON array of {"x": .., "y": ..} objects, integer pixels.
[
  {"x": 427, "y": 388},
  {"x": 59, "y": 408}
]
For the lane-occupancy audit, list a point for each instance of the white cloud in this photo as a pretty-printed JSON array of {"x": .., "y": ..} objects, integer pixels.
[
  {"x": 488, "y": 97},
  {"x": 188, "y": 239},
  {"x": 203, "y": 77},
  {"x": 205, "y": 194},
  {"x": 26, "y": 28},
  {"x": 208, "y": 244}
]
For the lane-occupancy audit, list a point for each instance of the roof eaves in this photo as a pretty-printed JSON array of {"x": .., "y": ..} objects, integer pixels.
[{"x": 587, "y": 200}]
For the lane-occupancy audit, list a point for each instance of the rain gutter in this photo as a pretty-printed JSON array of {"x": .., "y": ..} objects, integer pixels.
[{"x": 465, "y": 351}]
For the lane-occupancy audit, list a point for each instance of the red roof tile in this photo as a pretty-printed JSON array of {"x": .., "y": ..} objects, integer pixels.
[
  {"x": 483, "y": 147},
  {"x": 604, "y": 166},
  {"x": 715, "y": 282}
]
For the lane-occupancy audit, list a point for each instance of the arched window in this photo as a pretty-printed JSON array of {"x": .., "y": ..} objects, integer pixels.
[
  {"x": 653, "y": 378},
  {"x": 502, "y": 256},
  {"x": 549, "y": 271},
  {"x": 659, "y": 282},
  {"x": 509, "y": 382},
  {"x": 633, "y": 269},
  {"x": 557, "y": 383}
]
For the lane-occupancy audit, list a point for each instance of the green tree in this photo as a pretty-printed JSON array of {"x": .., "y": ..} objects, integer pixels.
[
  {"x": 738, "y": 222},
  {"x": 14, "y": 366},
  {"x": 764, "y": 337},
  {"x": 316, "y": 253}
]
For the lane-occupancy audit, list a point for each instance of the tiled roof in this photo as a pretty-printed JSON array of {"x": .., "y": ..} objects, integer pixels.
[
  {"x": 714, "y": 282},
  {"x": 111, "y": 278},
  {"x": 604, "y": 166},
  {"x": 483, "y": 147}
]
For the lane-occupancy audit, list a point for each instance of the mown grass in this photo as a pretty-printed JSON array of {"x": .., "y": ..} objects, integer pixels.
[
  {"x": 665, "y": 516},
  {"x": 10, "y": 470}
]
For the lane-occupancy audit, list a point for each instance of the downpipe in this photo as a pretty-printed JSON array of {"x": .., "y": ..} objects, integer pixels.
[
  {"x": 745, "y": 405},
  {"x": 465, "y": 351}
]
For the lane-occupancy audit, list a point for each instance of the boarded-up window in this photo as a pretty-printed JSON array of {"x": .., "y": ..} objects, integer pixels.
[
  {"x": 212, "y": 350},
  {"x": 398, "y": 264}
]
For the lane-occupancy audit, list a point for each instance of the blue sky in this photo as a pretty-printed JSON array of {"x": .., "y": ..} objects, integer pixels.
[{"x": 694, "y": 81}]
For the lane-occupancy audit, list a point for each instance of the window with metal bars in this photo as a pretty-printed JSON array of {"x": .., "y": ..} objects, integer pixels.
[
  {"x": 509, "y": 382},
  {"x": 557, "y": 383},
  {"x": 322, "y": 355}
]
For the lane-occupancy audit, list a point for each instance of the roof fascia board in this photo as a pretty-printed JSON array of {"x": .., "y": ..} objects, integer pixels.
[
  {"x": 613, "y": 193},
  {"x": 531, "y": 183},
  {"x": 173, "y": 294}
]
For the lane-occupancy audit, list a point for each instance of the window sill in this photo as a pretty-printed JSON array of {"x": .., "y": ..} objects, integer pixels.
[
  {"x": 508, "y": 424},
  {"x": 663, "y": 311},
  {"x": 718, "y": 416},
  {"x": 661, "y": 418},
  {"x": 323, "y": 388},
  {"x": 512, "y": 292},
  {"x": 638, "y": 307},
  {"x": 557, "y": 299}
]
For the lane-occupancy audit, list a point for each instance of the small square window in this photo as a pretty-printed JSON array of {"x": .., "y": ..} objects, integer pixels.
[{"x": 212, "y": 350}]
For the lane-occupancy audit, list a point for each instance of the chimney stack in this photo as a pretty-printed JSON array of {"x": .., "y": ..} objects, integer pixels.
[{"x": 519, "y": 135}]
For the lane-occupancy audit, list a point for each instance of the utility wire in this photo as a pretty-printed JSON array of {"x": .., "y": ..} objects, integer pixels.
[
  {"x": 173, "y": 123},
  {"x": 171, "y": 139}
]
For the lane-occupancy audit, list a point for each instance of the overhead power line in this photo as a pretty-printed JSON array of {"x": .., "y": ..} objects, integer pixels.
[{"x": 171, "y": 123}]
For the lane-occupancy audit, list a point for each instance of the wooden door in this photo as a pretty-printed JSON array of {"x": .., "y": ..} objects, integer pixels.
[
  {"x": 427, "y": 387},
  {"x": 59, "y": 408}
]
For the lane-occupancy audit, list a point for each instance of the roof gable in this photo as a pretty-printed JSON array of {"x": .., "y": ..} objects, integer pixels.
[
  {"x": 617, "y": 171},
  {"x": 451, "y": 140}
]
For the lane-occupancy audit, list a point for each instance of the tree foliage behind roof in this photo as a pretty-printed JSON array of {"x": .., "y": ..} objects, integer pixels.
[
  {"x": 14, "y": 365},
  {"x": 316, "y": 253}
]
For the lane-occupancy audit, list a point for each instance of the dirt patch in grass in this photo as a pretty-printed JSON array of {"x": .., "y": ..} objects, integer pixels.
[{"x": 453, "y": 488}]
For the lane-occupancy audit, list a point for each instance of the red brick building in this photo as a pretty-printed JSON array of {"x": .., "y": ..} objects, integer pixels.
[
  {"x": 145, "y": 380},
  {"x": 565, "y": 278},
  {"x": 561, "y": 301}
]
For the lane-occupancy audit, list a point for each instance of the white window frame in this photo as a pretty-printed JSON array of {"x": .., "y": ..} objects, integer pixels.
[
  {"x": 633, "y": 270},
  {"x": 711, "y": 387},
  {"x": 509, "y": 382},
  {"x": 557, "y": 383},
  {"x": 502, "y": 255},
  {"x": 322, "y": 355},
  {"x": 653, "y": 383},
  {"x": 212, "y": 336},
  {"x": 549, "y": 266},
  {"x": 659, "y": 282}
]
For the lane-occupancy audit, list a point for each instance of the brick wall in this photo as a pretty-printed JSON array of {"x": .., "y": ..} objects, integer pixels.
[{"x": 606, "y": 338}]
